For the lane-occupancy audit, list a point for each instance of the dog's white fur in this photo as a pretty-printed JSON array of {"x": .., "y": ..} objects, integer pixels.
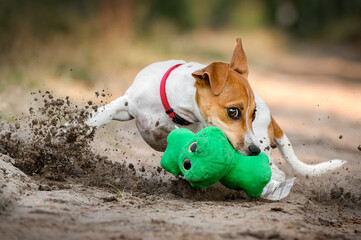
[{"x": 142, "y": 101}]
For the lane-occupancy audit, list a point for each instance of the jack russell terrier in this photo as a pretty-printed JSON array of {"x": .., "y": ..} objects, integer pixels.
[{"x": 171, "y": 94}]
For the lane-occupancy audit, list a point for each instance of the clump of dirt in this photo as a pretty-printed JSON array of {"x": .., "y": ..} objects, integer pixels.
[{"x": 54, "y": 143}]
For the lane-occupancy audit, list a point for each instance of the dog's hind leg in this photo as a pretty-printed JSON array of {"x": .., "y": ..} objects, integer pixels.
[{"x": 115, "y": 110}]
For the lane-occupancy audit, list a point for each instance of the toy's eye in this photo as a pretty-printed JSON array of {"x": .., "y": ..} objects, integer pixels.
[
  {"x": 187, "y": 164},
  {"x": 192, "y": 147},
  {"x": 234, "y": 113}
]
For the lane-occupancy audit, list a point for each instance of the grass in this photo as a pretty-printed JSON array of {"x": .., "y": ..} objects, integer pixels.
[{"x": 117, "y": 189}]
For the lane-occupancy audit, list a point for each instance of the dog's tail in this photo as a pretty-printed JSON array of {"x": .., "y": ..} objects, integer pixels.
[{"x": 285, "y": 147}]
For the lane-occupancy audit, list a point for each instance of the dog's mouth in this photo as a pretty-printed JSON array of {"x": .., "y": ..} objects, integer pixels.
[
  {"x": 239, "y": 147},
  {"x": 244, "y": 152},
  {"x": 251, "y": 150},
  {"x": 246, "y": 148}
]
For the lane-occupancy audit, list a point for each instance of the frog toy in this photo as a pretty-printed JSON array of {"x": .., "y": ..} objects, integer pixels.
[{"x": 207, "y": 157}]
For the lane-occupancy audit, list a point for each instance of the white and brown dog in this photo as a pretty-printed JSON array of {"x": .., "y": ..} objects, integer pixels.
[{"x": 217, "y": 94}]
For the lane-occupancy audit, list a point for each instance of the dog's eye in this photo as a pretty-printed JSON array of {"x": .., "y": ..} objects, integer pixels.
[
  {"x": 233, "y": 113},
  {"x": 192, "y": 147},
  {"x": 254, "y": 115},
  {"x": 187, "y": 164}
]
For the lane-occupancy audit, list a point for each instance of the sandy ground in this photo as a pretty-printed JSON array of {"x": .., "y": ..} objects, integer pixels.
[{"x": 320, "y": 114}]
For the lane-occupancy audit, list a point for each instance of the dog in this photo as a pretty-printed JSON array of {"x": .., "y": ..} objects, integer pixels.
[{"x": 196, "y": 96}]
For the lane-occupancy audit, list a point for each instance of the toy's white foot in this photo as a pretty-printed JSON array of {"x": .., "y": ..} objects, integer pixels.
[
  {"x": 277, "y": 174},
  {"x": 275, "y": 190}
]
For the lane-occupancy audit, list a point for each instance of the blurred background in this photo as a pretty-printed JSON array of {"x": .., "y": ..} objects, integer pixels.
[
  {"x": 95, "y": 43},
  {"x": 304, "y": 55}
]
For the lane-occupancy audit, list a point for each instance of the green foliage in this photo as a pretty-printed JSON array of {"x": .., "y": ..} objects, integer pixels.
[
  {"x": 314, "y": 17},
  {"x": 43, "y": 19},
  {"x": 178, "y": 13}
]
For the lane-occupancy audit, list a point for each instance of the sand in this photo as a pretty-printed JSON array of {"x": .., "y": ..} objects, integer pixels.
[{"x": 57, "y": 182}]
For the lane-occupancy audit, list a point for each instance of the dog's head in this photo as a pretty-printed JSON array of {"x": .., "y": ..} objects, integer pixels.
[{"x": 226, "y": 100}]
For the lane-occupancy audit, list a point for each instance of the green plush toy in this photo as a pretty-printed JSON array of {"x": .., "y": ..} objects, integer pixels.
[{"x": 207, "y": 157}]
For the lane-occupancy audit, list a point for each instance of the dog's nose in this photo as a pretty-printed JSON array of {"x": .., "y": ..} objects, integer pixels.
[{"x": 254, "y": 150}]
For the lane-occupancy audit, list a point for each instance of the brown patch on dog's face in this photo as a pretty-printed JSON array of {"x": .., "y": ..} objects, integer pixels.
[
  {"x": 236, "y": 95},
  {"x": 226, "y": 100}
]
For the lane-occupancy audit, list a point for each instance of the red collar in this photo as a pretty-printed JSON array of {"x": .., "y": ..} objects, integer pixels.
[{"x": 163, "y": 95}]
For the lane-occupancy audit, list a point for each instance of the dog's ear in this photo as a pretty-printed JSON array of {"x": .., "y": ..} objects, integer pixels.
[
  {"x": 215, "y": 75},
  {"x": 239, "y": 59}
]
